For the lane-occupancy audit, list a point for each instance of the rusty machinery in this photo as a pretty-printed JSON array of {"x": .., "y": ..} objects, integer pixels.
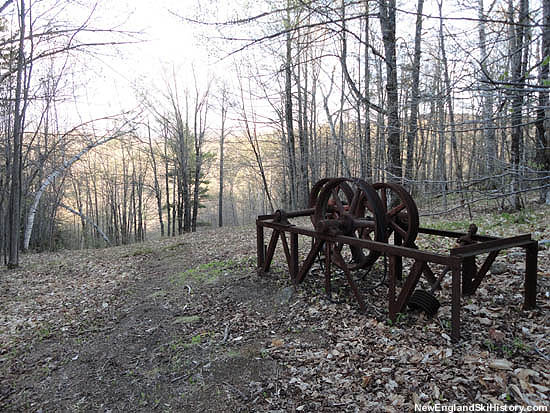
[{"x": 355, "y": 223}]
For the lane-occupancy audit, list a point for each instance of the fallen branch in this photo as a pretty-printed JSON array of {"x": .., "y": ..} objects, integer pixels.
[{"x": 80, "y": 214}]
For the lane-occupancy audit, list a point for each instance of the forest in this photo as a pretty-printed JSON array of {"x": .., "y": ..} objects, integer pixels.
[
  {"x": 450, "y": 99},
  {"x": 149, "y": 151}
]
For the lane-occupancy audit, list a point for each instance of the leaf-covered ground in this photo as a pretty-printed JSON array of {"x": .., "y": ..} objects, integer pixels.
[{"x": 186, "y": 324}]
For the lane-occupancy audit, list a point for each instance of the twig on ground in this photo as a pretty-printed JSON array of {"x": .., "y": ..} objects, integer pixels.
[
  {"x": 236, "y": 390},
  {"x": 226, "y": 333},
  {"x": 193, "y": 371}
]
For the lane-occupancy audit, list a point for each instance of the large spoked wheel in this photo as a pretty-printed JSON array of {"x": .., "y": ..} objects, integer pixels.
[
  {"x": 359, "y": 216},
  {"x": 314, "y": 193},
  {"x": 400, "y": 212},
  {"x": 339, "y": 199}
]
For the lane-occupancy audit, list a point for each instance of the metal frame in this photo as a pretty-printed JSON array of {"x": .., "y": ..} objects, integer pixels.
[{"x": 466, "y": 277}]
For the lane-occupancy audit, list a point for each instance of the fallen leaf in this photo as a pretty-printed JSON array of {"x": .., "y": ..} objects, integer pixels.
[
  {"x": 496, "y": 335},
  {"x": 277, "y": 342},
  {"x": 501, "y": 364}
]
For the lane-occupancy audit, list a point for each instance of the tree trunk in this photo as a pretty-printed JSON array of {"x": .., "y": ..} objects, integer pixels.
[
  {"x": 415, "y": 95},
  {"x": 86, "y": 218},
  {"x": 518, "y": 49},
  {"x": 14, "y": 207},
  {"x": 66, "y": 165},
  {"x": 489, "y": 131},
  {"x": 366, "y": 171},
  {"x": 166, "y": 181},
  {"x": 222, "y": 141},
  {"x": 387, "y": 23},
  {"x": 543, "y": 112},
  {"x": 158, "y": 191},
  {"x": 289, "y": 115},
  {"x": 449, "y": 100}
]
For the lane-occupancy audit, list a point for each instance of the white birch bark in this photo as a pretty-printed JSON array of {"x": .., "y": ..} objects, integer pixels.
[
  {"x": 66, "y": 165},
  {"x": 80, "y": 214}
]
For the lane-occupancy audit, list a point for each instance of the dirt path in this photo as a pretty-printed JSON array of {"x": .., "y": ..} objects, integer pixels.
[{"x": 176, "y": 325}]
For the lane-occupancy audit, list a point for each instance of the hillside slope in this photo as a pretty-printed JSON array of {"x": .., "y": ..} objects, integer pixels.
[{"x": 185, "y": 324}]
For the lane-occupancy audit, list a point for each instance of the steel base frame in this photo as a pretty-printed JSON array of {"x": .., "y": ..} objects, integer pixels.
[{"x": 466, "y": 276}]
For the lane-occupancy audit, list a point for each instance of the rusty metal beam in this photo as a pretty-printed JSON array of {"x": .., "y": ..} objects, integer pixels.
[
  {"x": 260, "y": 246},
  {"x": 430, "y": 276},
  {"x": 530, "y": 284},
  {"x": 469, "y": 271},
  {"x": 493, "y": 245},
  {"x": 286, "y": 251},
  {"x": 339, "y": 260},
  {"x": 328, "y": 287},
  {"x": 271, "y": 250},
  {"x": 454, "y": 234},
  {"x": 455, "y": 303},
  {"x": 292, "y": 214},
  {"x": 293, "y": 256},
  {"x": 482, "y": 272},
  {"x": 368, "y": 244},
  {"x": 397, "y": 305},
  {"x": 306, "y": 266}
]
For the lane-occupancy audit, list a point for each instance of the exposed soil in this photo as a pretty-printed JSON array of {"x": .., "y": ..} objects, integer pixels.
[{"x": 186, "y": 324}]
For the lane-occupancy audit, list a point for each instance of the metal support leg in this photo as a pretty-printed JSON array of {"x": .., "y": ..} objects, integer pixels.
[
  {"x": 469, "y": 270},
  {"x": 339, "y": 260},
  {"x": 398, "y": 259},
  {"x": 260, "y": 249},
  {"x": 391, "y": 290},
  {"x": 530, "y": 285},
  {"x": 270, "y": 251},
  {"x": 294, "y": 256},
  {"x": 328, "y": 288},
  {"x": 455, "y": 303}
]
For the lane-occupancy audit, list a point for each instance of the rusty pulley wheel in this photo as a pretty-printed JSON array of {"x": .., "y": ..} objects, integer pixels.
[
  {"x": 400, "y": 212},
  {"x": 360, "y": 215},
  {"x": 340, "y": 198}
]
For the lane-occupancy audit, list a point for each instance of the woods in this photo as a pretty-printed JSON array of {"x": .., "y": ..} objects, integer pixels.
[
  {"x": 183, "y": 227},
  {"x": 450, "y": 100}
]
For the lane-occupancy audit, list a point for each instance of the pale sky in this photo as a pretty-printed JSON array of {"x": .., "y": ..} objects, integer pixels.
[{"x": 168, "y": 44}]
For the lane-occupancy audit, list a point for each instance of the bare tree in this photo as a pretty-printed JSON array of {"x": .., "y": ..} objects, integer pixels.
[
  {"x": 387, "y": 22},
  {"x": 543, "y": 111},
  {"x": 224, "y": 103},
  {"x": 156, "y": 187},
  {"x": 519, "y": 49},
  {"x": 487, "y": 96},
  {"x": 14, "y": 207},
  {"x": 415, "y": 92}
]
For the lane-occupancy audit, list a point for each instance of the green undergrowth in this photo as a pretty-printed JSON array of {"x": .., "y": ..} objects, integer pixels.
[
  {"x": 502, "y": 223},
  {"x": 460, "y": 225},
  {"x": 211, "y": 271},
  {"x": 140, "y": 250}
]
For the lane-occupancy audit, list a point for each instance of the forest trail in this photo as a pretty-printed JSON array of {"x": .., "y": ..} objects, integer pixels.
[{"x": 185, "y": 324}]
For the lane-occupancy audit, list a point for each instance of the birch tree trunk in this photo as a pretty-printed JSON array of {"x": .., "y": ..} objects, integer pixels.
[
  {"x": 66, "y": 165},
  {"x": 86, "y": 218}
]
